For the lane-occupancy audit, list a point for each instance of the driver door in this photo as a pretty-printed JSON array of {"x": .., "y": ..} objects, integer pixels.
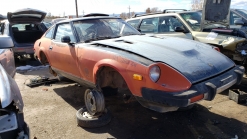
[{"x": 64, "y": 54}]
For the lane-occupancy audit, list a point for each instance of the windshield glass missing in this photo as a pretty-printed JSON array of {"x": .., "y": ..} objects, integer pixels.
[{"x": 99, "y": 29}]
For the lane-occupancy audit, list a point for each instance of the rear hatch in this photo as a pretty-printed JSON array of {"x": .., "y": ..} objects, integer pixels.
[
  {"x": 215, "y": 12},
  {"x": 26, "y": 15}
]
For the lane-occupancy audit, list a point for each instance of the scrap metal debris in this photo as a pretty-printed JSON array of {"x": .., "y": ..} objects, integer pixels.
[
  {"x": 238, "y": 96},
  {"x": 41, "y": 80}
]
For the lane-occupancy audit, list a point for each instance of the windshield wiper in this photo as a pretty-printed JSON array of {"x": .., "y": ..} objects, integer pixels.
[
  {"x": 107, "y": 37},
  {"x": 89, "y": 40},
  {"x": 133, "y": 34},
  {"x": 101, "y": 38}
]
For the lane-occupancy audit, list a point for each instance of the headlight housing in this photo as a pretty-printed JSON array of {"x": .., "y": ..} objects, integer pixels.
[{"x": 154, "y": 73}]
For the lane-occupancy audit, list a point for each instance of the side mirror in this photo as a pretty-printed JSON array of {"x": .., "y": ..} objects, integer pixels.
[
  {"x": 238, "y": 22},
  {"x": 65, "y": 39},
  {"x": 6, "y": 42},
  {"x": 139, "y": 30},
  {"x": 179, "y": 29}
]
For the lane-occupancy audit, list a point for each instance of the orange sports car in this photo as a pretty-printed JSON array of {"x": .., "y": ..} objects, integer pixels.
[{"x": 163, "y": 73}]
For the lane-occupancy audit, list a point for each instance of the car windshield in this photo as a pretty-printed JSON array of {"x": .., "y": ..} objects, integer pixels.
[
  {"x": 242, "y": 12},
  {"x": 194, "y": 21},
  {"x": 98, "y": 29}
]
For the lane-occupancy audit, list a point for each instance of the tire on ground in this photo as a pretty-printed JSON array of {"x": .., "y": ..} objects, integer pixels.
[{"x": 92, "y": 122}]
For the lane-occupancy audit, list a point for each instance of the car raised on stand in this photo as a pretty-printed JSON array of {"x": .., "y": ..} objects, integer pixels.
[{"x": 162, "y": 73}]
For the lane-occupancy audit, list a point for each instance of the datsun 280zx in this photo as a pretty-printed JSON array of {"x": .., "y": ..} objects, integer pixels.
[{"x": 163, "y": 73}]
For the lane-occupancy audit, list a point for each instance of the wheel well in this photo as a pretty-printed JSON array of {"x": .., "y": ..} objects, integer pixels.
[
  {"x": 109, "y": 77},
  {"x": 43, "y": 58}
]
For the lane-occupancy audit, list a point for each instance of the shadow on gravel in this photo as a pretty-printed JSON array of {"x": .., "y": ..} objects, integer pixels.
[{"x": 132, "y": 121}]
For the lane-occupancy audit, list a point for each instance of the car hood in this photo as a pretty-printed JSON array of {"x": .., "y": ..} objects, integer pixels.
[
  {"x": 228, "y": 42},
  {"x": 215, "y": 12},
  {"x": 9, "y": 91},
  {"x": 195, "y": 60},
  {"x": 26, "y": 15}
]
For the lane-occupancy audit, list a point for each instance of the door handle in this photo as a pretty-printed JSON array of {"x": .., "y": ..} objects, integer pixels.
[{"x": 50, "y": 47}]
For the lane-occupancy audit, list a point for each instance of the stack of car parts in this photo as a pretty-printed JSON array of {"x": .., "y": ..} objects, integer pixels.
[{"x": 238, "y": 95}]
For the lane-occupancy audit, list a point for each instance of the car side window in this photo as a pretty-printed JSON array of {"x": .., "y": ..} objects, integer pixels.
[
  {"x": 149, "y": 25},
  {"x": 6, "y": 29},
  {"x": 49, "y": 33},
  {"x": 134, "y": 23},
  {"x": 2, "y": 26},
  {"x": 64, "y": 30},
  {"x": 168, "y": 24},
  {"x": 0, "y": 29},
  {"x": 233, "y": 17}
]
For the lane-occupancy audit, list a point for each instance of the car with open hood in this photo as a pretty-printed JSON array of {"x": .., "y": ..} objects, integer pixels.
[
  {"x": 24, "y": 26},
  {"x": 11, "y": 105},
  {"x": 162, "y": 73},
  {"x": 211, "y": 26}
]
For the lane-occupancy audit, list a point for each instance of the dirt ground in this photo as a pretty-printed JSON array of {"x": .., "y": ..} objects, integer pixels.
[{"x": 50, "y": 114}]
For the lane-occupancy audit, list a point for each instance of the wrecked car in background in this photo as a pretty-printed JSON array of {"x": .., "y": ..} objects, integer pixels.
[
  {"x": 238, "y": 19},
  {"x": 24, "y": 26},
  {"x": 209, "y": 26},
  {"x": 163, "y": 75},
  {"x": 11, "y": 105}
]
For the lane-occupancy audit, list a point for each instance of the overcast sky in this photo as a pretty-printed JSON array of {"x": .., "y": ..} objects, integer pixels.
[{"x": 59, "y": 7}]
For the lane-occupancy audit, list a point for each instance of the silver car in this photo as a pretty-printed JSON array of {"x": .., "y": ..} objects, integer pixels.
[{"x": 11, "y": 105}]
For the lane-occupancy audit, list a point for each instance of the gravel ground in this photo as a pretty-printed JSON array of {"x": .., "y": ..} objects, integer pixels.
[{"x": 50, "y": 114}]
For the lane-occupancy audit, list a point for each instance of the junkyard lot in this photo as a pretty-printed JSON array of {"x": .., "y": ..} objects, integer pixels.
[{"x": 50, "y": 113}]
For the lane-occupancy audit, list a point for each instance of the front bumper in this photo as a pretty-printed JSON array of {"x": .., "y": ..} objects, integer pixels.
[{"x": 160, "y": 100}]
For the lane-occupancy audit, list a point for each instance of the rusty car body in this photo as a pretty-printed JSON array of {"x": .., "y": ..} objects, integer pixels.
[
  {"x": 163, "y": 73},
  {"x": 11, "y": 104},
  {"x": 210, "y": 26}
]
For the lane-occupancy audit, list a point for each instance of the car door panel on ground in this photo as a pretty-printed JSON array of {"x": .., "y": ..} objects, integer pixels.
[{"x": 59, "y": 50}]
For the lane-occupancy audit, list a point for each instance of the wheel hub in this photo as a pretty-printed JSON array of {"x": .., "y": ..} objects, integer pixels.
[{"x": 94, "y": 101}]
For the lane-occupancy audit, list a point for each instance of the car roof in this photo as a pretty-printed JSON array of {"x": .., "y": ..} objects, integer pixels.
[
  {"x": 160, "y": 14},
  {"x": 85, "y": 18}
]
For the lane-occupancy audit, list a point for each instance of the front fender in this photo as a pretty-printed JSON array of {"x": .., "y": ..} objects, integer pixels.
[
  {"x": 9, "y": 91},
  {"x": 109, "y": 63}
]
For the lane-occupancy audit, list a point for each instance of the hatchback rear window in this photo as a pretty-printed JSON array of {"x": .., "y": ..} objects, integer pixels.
[{"x": 24, "y": 27}]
